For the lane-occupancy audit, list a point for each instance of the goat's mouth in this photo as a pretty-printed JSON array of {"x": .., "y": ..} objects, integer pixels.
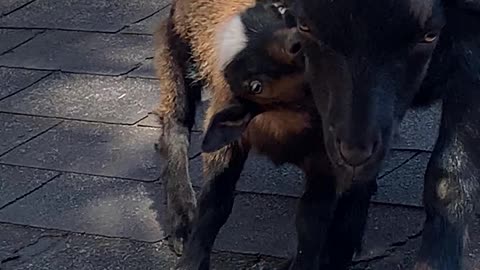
[{"x": 363, "y": 172}]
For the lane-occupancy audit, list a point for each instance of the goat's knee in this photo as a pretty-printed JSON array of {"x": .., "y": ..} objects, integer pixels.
[{"x": 451, "y": 188}]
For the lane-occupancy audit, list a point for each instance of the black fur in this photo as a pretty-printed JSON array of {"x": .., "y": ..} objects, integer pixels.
[
  {"x": 254, "y": 62},
  {"x": 217, "y": 136},
  {"x": 365, "y": 62},
  {"x": 455, "y": 164},
  {"x": 366, "y": 66},
  {"x": 214, "y": 207}
]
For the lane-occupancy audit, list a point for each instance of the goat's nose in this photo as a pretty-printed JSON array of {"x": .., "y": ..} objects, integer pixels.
[
  {"x": 293, "y": 43},
  {"x": 294, "y": 48},
  {"x": 356, "y": 155}
]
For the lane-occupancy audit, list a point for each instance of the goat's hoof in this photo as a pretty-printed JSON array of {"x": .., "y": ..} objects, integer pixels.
[
  {"x": 177, "y": 244},
  {"x": 180, "y": 231}
]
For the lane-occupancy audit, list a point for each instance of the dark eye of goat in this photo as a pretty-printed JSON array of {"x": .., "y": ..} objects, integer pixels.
[
  {"x": 430, "y": 37},
  {"x": 302, "y": 25},
  {"x": 255, "y": 87}
]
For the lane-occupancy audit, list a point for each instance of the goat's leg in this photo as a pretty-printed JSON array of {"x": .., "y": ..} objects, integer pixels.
[
  {"x": 176, "y": 115},
  {"x": 315, "y": 213},
  {"x": 348, "y": 226},
  {"x": 453, "y": 173},
  {"x": 451, "y": 189},
  {"x": 222, "y": 170},
  {"x": 180, "y": 196},
  {"x": 452, "y": 182}
]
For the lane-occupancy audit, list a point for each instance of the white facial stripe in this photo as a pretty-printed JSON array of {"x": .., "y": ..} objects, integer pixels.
[{"x": 230, "y": 39}]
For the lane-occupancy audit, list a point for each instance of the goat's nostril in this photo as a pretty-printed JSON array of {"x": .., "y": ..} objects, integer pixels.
[
  {"x": 295, "y": 48},
  {"x": 354, "y": 155}
]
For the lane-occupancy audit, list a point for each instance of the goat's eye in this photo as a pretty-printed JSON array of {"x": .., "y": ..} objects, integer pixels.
[
  {"x": 430, "y": 37},
  {"x": 303, "y": 26},
  {"x": 255, "y": 87}
]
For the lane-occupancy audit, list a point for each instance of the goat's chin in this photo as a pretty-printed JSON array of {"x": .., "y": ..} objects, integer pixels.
[{"x": 347, "y": 174}]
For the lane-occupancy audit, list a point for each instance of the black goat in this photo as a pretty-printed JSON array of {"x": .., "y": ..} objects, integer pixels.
[{"x": 367, "y": 62}]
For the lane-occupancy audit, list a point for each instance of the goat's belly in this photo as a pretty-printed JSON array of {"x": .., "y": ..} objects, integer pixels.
[{"x": 283, "y": 136}]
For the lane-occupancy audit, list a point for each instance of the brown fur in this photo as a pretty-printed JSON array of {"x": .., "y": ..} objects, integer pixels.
[{"x": 278, "y": 125}]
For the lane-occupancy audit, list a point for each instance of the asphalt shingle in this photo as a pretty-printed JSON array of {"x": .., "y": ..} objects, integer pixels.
[
  {"x": 91, "y": 15},
  {"x": 81, "y": 52},
  {"x": 86, "y": 97}
]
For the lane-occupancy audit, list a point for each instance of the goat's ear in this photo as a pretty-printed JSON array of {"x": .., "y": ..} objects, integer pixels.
[{"x": 226, "y": 126}]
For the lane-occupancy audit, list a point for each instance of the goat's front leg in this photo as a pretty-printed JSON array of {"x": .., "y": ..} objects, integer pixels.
[
  {"x": 315, "y": 213},
  {"x": 348, "y": 226},
  {"x": 222, "y": 170}
]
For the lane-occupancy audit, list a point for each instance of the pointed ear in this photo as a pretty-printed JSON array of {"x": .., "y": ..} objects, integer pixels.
[{"x": 227, "y": 126}]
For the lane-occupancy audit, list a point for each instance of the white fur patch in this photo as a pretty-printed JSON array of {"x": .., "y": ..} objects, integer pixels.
[
  {"x": 230, "y": 40},
  {"x": 281, "y": 8}
]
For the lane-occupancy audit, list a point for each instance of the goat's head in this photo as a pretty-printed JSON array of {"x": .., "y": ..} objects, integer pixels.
[
  {"x": 365, "y": 61},
  {"x": 267, "y": 68}
]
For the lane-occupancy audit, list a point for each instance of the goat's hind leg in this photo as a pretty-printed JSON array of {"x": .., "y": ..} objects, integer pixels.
[
  {"x": 180, "y": 195},
  {"x": 453, "y": 173},
  {"x": 451, "y": 188},
  {"x": 176, "y": 114}
]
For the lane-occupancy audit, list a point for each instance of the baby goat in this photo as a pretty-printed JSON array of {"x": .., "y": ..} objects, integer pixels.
[{"x": 227, "y": 48}]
